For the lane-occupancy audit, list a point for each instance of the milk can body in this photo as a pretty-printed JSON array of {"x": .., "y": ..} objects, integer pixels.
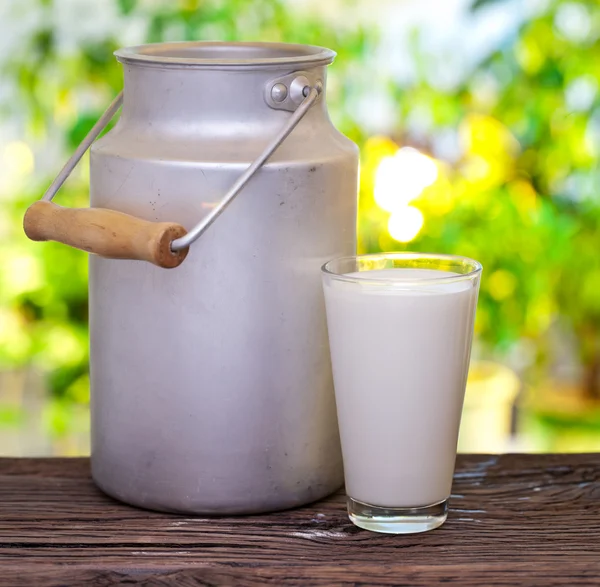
[{"x": 211, "y": 382}]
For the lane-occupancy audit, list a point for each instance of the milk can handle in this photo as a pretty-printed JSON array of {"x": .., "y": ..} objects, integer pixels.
[{"x": 116, "y": 235}]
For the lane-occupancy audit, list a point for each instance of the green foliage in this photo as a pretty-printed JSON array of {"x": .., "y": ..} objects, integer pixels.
[
  {"x": 521, "y": 198},
  {"x": 524, "y": 193},
  {"x": 478, "y": 4},
  {"x": 43, "y": 287}
]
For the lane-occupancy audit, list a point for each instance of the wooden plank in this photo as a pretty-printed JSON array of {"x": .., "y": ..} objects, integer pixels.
[
  {"x": 475, "y": 575},
  {"x": 511, "y": 517}
]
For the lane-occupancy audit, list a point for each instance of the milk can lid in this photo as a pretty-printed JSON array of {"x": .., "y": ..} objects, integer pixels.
[{"x": 217, "y": 55}]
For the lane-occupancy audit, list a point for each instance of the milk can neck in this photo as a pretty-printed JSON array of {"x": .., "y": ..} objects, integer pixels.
[{"x": 180, "y": 96}]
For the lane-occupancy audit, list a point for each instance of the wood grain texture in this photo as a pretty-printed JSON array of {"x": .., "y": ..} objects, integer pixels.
[
  {"x": 107, "y": 233},
  {"x": 514, "y": 519}
]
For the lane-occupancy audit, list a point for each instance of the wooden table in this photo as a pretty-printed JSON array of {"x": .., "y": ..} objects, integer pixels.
[{"x": 527, "y": 519}]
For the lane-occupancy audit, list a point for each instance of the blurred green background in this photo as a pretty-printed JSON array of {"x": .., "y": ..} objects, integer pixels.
[{"x": 479, "y": 129}]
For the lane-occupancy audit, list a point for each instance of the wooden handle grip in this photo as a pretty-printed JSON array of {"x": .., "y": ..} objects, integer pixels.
[{"x": 105, "y": 232}]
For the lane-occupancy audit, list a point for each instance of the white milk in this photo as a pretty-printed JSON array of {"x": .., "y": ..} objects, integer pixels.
[{"x": 400, "y": 361}]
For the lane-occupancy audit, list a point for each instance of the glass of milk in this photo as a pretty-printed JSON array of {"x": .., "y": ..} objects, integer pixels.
[{"x": 400, "y": 331}]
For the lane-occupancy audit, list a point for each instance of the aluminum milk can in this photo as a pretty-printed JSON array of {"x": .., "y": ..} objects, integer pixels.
[{"x": 211, "y": 381}]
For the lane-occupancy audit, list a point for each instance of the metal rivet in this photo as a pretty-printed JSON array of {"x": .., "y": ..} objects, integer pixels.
[
  {"x": 297, "y": 87},
  {"x": 279, "y": 92}
]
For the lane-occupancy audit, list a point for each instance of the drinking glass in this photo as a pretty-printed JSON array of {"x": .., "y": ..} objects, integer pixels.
[{"x": 400, "y": 330}]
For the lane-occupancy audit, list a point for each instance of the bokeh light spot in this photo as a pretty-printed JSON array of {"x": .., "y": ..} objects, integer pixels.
[
  {"x": 18, "y": 158},
  {"x": 405, "y": 223},
  {"x": 401, "y": 178},
  {"x": 501, "y": 284}
]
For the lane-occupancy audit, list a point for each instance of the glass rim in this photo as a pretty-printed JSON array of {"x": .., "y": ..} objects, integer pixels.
[{"x": 477, "y": 269}]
